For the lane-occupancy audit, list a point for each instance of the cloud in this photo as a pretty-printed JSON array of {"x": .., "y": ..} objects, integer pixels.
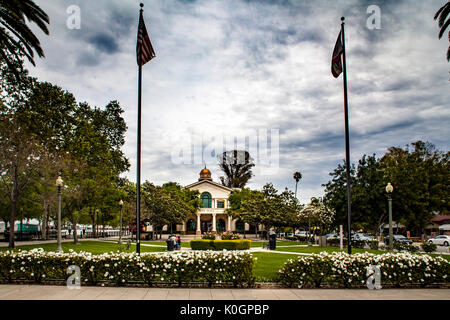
[{"x": 235, "y": 67}]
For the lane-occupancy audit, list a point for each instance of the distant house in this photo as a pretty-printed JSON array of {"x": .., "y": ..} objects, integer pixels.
[{"x": 436, "y": 225}]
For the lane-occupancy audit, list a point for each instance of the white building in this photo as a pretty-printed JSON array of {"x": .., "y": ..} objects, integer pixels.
[{"x": 211, "y": 217}]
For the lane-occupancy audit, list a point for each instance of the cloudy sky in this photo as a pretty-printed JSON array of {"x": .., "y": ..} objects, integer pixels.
[{"x": 240, "y": 69}]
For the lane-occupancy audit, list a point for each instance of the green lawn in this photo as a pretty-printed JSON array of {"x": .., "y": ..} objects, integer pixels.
[
  {"x": 268, "y": 264},
  {"x": 95, "y": 247}
]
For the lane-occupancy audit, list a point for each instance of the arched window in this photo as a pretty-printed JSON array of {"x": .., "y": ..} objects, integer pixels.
[
  {"x": 206, "y": 200},
  {"x": 240, "y": 226},
  {"x": 220, "y": 225},
  {"x": 191, "y": 225}
]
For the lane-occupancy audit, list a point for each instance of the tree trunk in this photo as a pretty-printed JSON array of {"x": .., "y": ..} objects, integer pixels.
[
  {"x": 44, "y": 222},
  {"x": 12, "y": 219}
]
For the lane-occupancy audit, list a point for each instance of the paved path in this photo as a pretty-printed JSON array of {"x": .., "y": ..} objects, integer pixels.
[{"x": 36, "y": 292}]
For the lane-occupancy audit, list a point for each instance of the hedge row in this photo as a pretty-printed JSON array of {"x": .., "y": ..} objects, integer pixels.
[
  {"x": 204, "y": 244},
  {"x": 122, "y": 268},
  {"x": 351, "y": 270}
]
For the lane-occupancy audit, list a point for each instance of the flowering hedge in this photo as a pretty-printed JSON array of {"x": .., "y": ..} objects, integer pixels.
[
  {"x": 122, "y": 268},
  {"x": 351, "y": 270}
]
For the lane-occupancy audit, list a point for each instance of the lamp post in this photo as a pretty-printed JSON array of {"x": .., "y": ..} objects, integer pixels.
[
  {"x": 120, "y": 230},
  {"x": 389, "y": 190},
  {"x": 96, "y": 227},
  {"x": 59, "y": 183}
]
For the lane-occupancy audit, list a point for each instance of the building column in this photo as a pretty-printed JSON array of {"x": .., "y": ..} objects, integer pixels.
[
  {"x": 199, "y": 230},
  {"x": 214, "y": 229},
  {"x": 183, "y": 228},
  {"x": 229, "y": 224}
]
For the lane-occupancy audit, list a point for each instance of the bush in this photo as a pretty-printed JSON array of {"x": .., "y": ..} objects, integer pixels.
[
  {"x": 347, "y": 270},
  {"x": 230, "y": 236},
  {"x": 429, "y": 247},
  {"x": 122, "y": 268},
  {"x": 242, "y": 244},
  {"x": 405, "y": 247},
  {"x": 209, "y": 236}
]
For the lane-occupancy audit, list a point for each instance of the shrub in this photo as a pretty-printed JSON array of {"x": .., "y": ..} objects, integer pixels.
[
  {"x": 209, "y": 236},
  {"x": 230, "y": 236},
  {"x": 122, "y": 268},
  {"x": 241, "y": 244},
  {"x": 429, "y": 247},
  {"x": 405, "y": 247},
  {"x": 350, "y": 270}
]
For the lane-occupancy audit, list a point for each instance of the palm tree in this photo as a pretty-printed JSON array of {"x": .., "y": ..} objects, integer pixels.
[
  {"x": 443, "y": 23},
  {"x": 16, "y": 38},
  {"x": 297, "y": 177},
  {"x": 237, "y": 166}
]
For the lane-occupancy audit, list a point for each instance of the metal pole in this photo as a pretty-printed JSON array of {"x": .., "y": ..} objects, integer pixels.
[
  {"x": 120, "y": 231},
  {"x": 58, "y": 246},
  {"x": 138, "y": 178},
  {"x": 347, "y": 142},
  {"x": 391, "y": 240}
]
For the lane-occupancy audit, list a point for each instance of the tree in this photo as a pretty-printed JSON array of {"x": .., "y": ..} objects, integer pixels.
[
  {"x": 237, "y": 166},
  {"x": 168, "y": 204},
  {"x": 16, "y": 38},
  {"x": 236, "y": 209},
  {"x": 297, "y": 177},
  {"x": 268, "y": 207},
  {"x": 420, "y": 175},
  {"x": 319, "y": 215},
  {"x": 443, "y": 23},
  {"x": 421, "y": 180},
  {"x": 20, "y": 160}
]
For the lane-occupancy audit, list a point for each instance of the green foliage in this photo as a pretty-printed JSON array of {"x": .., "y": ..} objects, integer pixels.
[
  {"x": 420, "y": 176},
  {"x": 429, "y": 247},
  {"x": 204, "y": 244},
  {"x": 405, "y": 247},
  {"x": 168, "y": 204},
  {"x": 237, "y": 166},
  {"x": 235, "y": 268},
  {"x": 346, "y": 270}
]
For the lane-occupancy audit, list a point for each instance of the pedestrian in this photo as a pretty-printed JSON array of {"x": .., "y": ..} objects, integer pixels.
[{"x": 179, "y": 242}]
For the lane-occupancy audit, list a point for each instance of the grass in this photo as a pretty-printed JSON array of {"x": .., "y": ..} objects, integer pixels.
[
  {"x": 268, "y": 264},
  {"x": 96, "y": 247}
]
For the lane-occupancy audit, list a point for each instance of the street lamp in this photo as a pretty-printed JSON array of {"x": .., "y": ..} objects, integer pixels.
[
  {"x": 389, "y": 190},
  {"x": 59, "y": 183},
  {"x": 120, "y": 230}
]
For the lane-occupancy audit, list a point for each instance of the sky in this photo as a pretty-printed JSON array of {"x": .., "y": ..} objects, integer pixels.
[{"x": 256, "y": 72}]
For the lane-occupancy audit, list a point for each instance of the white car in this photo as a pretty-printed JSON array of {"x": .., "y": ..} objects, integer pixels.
[{"x": 442, "y": 240}]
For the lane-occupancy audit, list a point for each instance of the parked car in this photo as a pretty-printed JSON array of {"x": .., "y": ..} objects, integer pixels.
[
  {"x": 289, "y": 235},
  {"x": 398, "y": 238},
  {"x": 332, "y": 236},
  {"x": 442, "y": 240},
  {"x": 361, "y": 236}
]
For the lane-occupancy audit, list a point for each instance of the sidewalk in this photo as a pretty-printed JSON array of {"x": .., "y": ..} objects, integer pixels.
[{"x": 36, "y": 292}]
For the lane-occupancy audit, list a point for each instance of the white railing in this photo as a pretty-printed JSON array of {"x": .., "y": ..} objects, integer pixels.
[{"x": 211, "y": 210}]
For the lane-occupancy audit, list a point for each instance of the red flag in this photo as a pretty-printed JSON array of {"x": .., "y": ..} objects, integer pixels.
[
  {"x": 336, "y": 62},
  {"x": 144, "y": 48}
]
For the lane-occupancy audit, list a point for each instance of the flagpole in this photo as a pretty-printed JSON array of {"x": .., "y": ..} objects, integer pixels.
[
  {"x": 138, "y": 178},
  {"x": 347, "y": 144}
]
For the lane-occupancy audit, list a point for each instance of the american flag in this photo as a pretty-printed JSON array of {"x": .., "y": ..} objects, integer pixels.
[
  {"x": 336, "y": 63},
  {"x": 144, "y": 49}
]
